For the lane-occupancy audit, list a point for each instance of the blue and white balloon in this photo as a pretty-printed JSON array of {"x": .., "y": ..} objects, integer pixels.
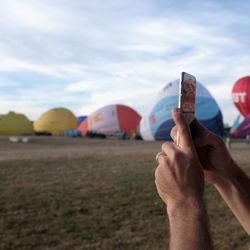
[{"x": 157, "y": 123}]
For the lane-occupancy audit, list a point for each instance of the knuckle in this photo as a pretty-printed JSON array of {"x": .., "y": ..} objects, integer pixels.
[
  {"x": 156, "y": 173},
  {"x": 161, "y": 169},
  {"x": 190, "y": 156},
  {"x": 156, "y": 183},
  {"x": 165, "y": 146},
  {"x": 164, "y": 161},
  {"x": 177, "y": 155},
  {"x": 183, "y": 128},
  {"x": 161, "y": 159}
]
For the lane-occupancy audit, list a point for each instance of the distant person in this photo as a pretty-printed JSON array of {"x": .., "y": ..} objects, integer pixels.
[
  {"x": 248, "y": 139},
  {"x": 180, "y": 177}
]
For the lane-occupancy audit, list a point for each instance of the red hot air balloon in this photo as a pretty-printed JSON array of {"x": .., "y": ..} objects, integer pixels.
[{"x": 241, "y": 95}]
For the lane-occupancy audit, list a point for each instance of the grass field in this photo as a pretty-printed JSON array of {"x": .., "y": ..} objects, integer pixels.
[{"x": 62, "y": 193}]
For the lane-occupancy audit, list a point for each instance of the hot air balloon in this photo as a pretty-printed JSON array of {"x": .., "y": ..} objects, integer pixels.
[
  {"x": 236, "y": 123},
  {"x": 111, "y": 119},
  {"x": 15, "y": 124},
  {"x": 157, "y": 123},
  {"x": 241, "y": 95},
  {"x": 243, "y": 129},
  {"x": 55, "y": 122},
  {"x": 81, "y": 118}
]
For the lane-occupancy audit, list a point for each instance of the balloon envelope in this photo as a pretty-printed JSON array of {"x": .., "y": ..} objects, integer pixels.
[
  {"x": 243, "y": 129},
  {"x": 111, "y": 119},
  {"x": 15, "y": 124},
  {"x": 157, "y": 123},
  {"x": 55, "y": 121},
  {"x": 241, "y": 95},
  {"x": 81, "y": 118}
]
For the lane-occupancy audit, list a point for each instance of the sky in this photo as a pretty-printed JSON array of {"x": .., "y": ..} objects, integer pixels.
[{"x": 85, "y": 54}]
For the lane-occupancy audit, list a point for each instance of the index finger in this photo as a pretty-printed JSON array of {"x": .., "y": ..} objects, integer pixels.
[{"x": 185, "y": 138}]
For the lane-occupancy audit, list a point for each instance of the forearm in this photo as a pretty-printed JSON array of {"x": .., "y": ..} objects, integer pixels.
[
  {"x": 240, "y": 177},
  {"x": 235, "y": 190},
  {"x": 189, "y": 227}
]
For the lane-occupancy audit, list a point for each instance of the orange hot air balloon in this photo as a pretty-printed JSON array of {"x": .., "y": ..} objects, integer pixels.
[{"x": 241, "y": 95}]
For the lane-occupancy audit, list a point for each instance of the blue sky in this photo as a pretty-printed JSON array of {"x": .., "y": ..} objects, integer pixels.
[{"x": 86, "y": 54}]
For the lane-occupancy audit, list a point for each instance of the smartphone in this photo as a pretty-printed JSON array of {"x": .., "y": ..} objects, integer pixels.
[{"x": 187, "y": 94}]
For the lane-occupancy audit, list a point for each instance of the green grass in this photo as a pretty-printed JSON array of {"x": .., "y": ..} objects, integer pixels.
[{"x": 95, "y": 202}]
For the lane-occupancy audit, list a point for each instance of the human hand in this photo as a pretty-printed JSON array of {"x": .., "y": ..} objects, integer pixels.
[
  {"x": 220, "y": 169},
  {"x": 179, "y": 178},
  {"x": 212, "y": 152}
]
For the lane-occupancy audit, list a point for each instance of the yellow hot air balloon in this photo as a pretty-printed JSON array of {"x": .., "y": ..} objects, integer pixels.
[
  {"x": 15, "y": 124},
  {"x": 55, "y": 122}
]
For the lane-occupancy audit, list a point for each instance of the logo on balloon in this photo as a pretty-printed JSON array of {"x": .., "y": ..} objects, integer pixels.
[
  {"x": 153, "y": 119},
  {"x": 98, "y": 117},
  {"x": 239, "y": 97}
]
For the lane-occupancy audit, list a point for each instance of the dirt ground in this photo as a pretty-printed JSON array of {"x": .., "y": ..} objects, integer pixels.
[
  {"x": 54, "y": 147},
  {"x": 48, "y": 147}
]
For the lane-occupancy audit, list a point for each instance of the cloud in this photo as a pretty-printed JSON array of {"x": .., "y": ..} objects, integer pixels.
[
  {"x": 31, "y": 15},
  {"x": 5, "y": 82},
  {"x": 87, "y": 54},
  {"x": 31, "y": 111},
  {"x": 81, "y": 86},
  {"x": 126, "y": 97}
]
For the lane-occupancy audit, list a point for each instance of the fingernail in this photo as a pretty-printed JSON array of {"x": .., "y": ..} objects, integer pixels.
[{"x": 175, "y": 110}]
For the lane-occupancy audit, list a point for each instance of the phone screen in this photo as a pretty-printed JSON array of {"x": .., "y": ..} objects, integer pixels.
[{"x": 187, "y": 93}]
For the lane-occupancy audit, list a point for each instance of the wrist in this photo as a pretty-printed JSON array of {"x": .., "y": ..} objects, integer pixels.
[
  {"x": 224, "y": 178},
  {"x": 187, "y": 208},
  {"x": 237, "y": 184},
  {"x": 229, "y": 179}
]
